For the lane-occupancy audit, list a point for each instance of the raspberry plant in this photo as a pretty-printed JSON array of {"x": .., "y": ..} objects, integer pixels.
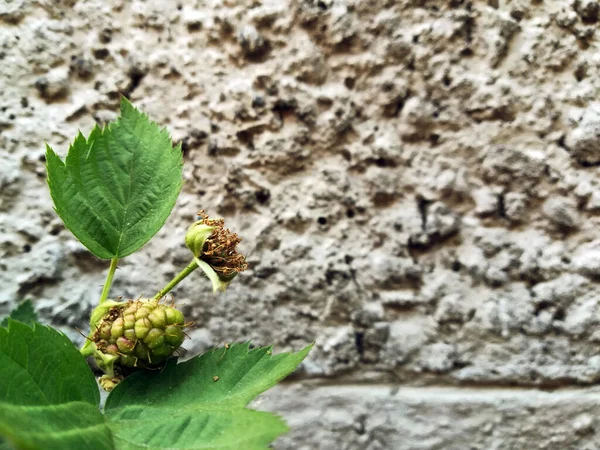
[{"x": 114, "y": 191}]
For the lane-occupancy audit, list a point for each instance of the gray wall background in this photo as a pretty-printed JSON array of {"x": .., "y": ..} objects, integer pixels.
[{"x": 415, "y": 183}]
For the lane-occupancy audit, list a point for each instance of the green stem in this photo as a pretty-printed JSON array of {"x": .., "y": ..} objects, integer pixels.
[
  {"x": 175, "y": 281},
  {"x": 109, "y": 279}
]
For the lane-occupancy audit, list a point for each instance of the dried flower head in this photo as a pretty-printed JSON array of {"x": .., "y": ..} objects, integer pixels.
[
  {"x": 215, "y": 250},
  {"x": 220, "y": 250}
]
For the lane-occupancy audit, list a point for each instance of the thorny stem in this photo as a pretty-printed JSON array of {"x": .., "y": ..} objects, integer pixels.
[
  {"x": 175, "y": 281},
  {"x": 109, "y": 279}
]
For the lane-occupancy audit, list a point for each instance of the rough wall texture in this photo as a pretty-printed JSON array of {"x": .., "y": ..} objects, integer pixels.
[{"x": 415, "y": 181}]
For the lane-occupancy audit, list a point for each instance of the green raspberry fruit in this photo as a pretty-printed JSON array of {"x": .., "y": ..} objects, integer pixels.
[{"x": 137, "y": 334}]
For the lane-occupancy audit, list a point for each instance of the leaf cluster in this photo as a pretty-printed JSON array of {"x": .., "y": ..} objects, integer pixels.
[
  {"x": 49, "y": 398},
  {"x": 114, "y": 191}
]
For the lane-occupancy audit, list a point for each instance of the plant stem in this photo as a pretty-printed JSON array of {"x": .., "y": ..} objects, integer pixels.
[
  {"x": 109, "y": 279},
  {"x": 175, "y": 281}
]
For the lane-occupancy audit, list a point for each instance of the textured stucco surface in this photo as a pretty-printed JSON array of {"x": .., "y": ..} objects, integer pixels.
[{"x": 416, "y": 183}]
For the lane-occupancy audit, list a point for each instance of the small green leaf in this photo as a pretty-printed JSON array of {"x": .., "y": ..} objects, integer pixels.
[
  {"x": 69, "y": 426},
  {"x": 23, "y": 313},
  {"x": 117, "y": 188},
  {"x": 200, "y": 404}
]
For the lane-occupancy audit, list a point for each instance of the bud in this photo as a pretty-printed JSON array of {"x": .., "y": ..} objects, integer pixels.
[
  {"x": 135, "y": 335},
  {"x": 215, "y": 252}
]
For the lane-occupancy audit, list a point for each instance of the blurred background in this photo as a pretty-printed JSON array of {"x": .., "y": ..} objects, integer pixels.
[{"x": 415, "y": 183}]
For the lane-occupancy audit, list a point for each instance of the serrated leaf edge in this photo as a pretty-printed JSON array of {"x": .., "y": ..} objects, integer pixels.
[{"x": 99, "y": 250}]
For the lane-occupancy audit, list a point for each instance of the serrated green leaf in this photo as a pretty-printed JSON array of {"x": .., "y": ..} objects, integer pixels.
[
  {"x": 206, "y": 429},
  {"x": 242, "y": 375},
  {"x": 68, "y": 426},
  {"x": 48, "y": 395},
  {"x": 40, "y": 366},
  {"x": 23, "y": 313},
  {"x": 116, "y": 188},
  {"x": 200, "y": 404}
]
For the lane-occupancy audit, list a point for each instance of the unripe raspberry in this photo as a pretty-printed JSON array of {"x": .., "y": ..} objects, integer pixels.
[{"x": 137, "y": 334}]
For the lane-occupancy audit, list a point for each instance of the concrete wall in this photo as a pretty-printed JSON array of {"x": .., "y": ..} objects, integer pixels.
[{"x": 415, "y": 182}]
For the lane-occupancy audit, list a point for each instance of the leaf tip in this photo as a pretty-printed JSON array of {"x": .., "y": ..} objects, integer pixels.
[
  {"x": 124, "y": 102},
  {"x": 51, "y": 155},
  {"x": 306, "y": 350},
  {"x": 128, "y": 110}
]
